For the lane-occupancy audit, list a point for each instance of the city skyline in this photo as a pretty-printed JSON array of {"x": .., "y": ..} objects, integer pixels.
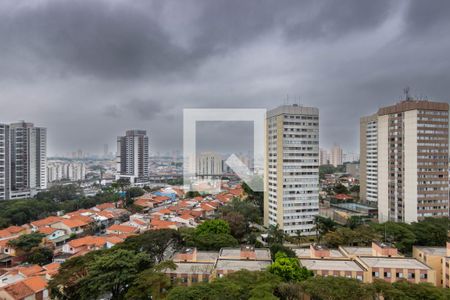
[{"x": 161, "y": 61}]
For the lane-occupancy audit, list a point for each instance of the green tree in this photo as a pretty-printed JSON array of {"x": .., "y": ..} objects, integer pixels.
[
  {"x": 192, "y": 194},
  {"x": 404, "y": 290},
  {"x": 431, "y": 231},
  {"x": 399, "y": 234},
  {"x": 212, "y": 241},
  {"x": 289, "y": 268},
  {"x": 275, "y": 235},
  {"x": 151, "y": 283},
  {"x": 337, "y": 288},
  {"x": 135, "y": 192},
  {"x": 340, "y": 189},
  {"x": 153, "y": 242},
  {"x": 213, "y": 226},
  {"x": 113, "y": 273},
  {"x": 237, "y": 223},
  {"x": 40, "y": 256},
  {"x": 275, "y": 248},
  {"x": 26, "y": 242}
]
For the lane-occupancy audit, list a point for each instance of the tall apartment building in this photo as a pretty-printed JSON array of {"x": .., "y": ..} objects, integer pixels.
[
  {"x": 292, "y": 169},
  {"x": 336, "y": 155},
  {"x": 412, "y": 160},
  {"x": 23, "y": 160},
  {"x": 209, "y": 164},
  {"x": 132, "y": 155},
  {"x": 368, "y": 167},
  {"x": 5, "y": 166},
  {"x": 323, "y": 157}
]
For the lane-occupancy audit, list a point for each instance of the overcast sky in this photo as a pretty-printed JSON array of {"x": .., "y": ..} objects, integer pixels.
[{"x": 89, "y": 70}]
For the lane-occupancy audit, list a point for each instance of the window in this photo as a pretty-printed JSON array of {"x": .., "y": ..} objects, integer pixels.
[
  {"x": 375, "y": 274},
  {"x": 399, "y": 275},
  {"x": 387, "y": 274}
]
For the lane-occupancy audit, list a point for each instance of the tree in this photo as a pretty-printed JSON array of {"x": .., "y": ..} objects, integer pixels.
[
  {"x": 237, "y": 223},
  {"x": 337, "y": 288},
  {"x": 340, "y": 189},
  {"x": 406, "y": 290},
  {"x": 238, "y": 285},
  {"x": 290, "y": 291},
  {"x": 289, "y": 268},
  {"x": 135, "y": 192},
  {"x": 154, "y": 242},
  {"x": 213, "y": 226},
  {"x": 275, "y": 235},
  {"x": 275, "y": 248},
  {"x": 192, "y": 194},
  {"x": 68, "y": 283},
  {"x": 113, "y": 273},
  {"x": 323, "y": 226},
  {"x": 26, "y": 242},
  {"x": 151, "y": 283},
  {"x": 431, "y": 231},
  {"x": 399, "y": 234},
  {"x": 212, "y": 241},
  {"x": 40, "y": 256}
]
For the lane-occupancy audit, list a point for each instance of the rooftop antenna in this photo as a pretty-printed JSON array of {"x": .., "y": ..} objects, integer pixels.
[{"x": 407, "y": 95}]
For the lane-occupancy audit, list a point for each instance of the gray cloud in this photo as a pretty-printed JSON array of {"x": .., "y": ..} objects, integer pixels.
[{"x": 88, "y": 70}]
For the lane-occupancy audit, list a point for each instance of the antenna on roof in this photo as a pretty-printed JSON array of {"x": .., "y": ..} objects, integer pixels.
[{"x": 407, "y": 95}]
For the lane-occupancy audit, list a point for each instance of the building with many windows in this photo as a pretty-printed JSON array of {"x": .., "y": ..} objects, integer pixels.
[
  {"x": 409, "y": 142},
  {"x": 132, "y": 156},
  {"x": 23, "y": 160},
  {"x": 292, "y": 169}
]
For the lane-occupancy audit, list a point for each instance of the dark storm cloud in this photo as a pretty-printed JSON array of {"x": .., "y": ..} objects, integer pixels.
[{"x": 89, "y": 70}]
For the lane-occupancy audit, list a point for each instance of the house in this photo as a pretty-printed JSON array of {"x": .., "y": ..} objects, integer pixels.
[
  {"x": 54, "y": 235},
  {"x": 12, "y": 232},
  {"x": 33, "y": 288},
  {"x": 71, "y": 226},
  {"x": 120, "y": 229},
  {"x": 35, "y": 225},
  {"x": 85, "y": 243},
  {"x": 162, "y": 224}
]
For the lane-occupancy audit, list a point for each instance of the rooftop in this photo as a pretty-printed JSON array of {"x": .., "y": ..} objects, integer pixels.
[
  {"x": 437, "y": 251},
  {"x": 237, "y": 264},
  {"x": 235, "y": 253},
  {"x": 393, "y": 262},
  {"x": 330, "y": 264},
  {"x": 306, "y": 252},
  {"x": 192, "y": 268}
]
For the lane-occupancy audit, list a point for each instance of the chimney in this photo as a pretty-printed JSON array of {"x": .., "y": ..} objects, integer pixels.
[
  {"x": 319, "y": 251},
  {"x": 187, "y": 255},
  {"x": 248, "y": 252},
  {"x": 384, "y": 249}
]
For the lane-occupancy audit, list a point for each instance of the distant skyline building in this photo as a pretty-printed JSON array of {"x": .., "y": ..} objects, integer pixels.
[
  {"x": 336, "y": 155},
  {"x": 324, "y": 157},
  {"x": 291, "y": 199},
  {"x": 72, "y": 171},
  {"x": 209, "y": 164},
  {"x": 412, "y": 160},
  {"x": 133, "y": 156},
  {"x": 23, "y": 160}
]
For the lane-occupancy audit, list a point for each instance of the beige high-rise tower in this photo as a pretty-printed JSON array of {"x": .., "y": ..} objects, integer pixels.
[
  {"x": 292, "y": 169},
  {"x": 412, "y": 161}
]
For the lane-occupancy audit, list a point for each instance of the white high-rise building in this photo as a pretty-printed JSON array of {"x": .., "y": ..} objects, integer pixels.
[
  {"x": 323, "y": 157},
  {"x": 336, "y": 154},
  {"x": 409, "y": 142},
  {"x": 5, "y": 165},
  {"x": 292, "y": 169},
  {"x": 209, "y": 164},
  {"x": 368, "y": 140},
  {"x": 23, "y": 160},
  {"x": 132, "y": 156},
  {"x": 72, "y": 171}
]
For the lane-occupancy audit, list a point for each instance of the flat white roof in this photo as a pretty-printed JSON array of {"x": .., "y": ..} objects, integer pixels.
[
  {"x": 331, "y": 265},
  {"x": 306, "y": 252},
  {"x": 358, "y": 250},
  {"x": 393, "y": 262},
  {"x": 192, "y": 268},
  {"x": 235, "y": 265}
]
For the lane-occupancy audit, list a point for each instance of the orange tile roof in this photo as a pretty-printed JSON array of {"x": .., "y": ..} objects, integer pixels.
[
  {"x": 81, "y": 218},
  {"x": 30, "y": 270},
  {"x": 72, "y": 223},
  {"x": 19, "y": 290},
  {"x": 165, "y": 211},
  {"x": 143, "y": 202},
  {"x": 104, "y": 206},
  {"x": 161, "y": 224},
  {"x": 47, "y": 221},
  {"x": 36, "y": 283},
  {"x": 47, "y": 230},
  {"x": 52, "y": 266},
  {"x": 160, "y": 199},
  {"x": 88, "y": 241},
  {"x": 207, "y": 207},
  {"x": 10, "y": 231},
  {"x": 122, "y": 228}
]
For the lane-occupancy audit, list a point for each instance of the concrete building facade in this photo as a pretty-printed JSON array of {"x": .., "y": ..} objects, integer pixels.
[
  {"x": 292, "y": 169},
  {"x": 133, "y": 155},
  {"x": 368, "y": 141}
]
